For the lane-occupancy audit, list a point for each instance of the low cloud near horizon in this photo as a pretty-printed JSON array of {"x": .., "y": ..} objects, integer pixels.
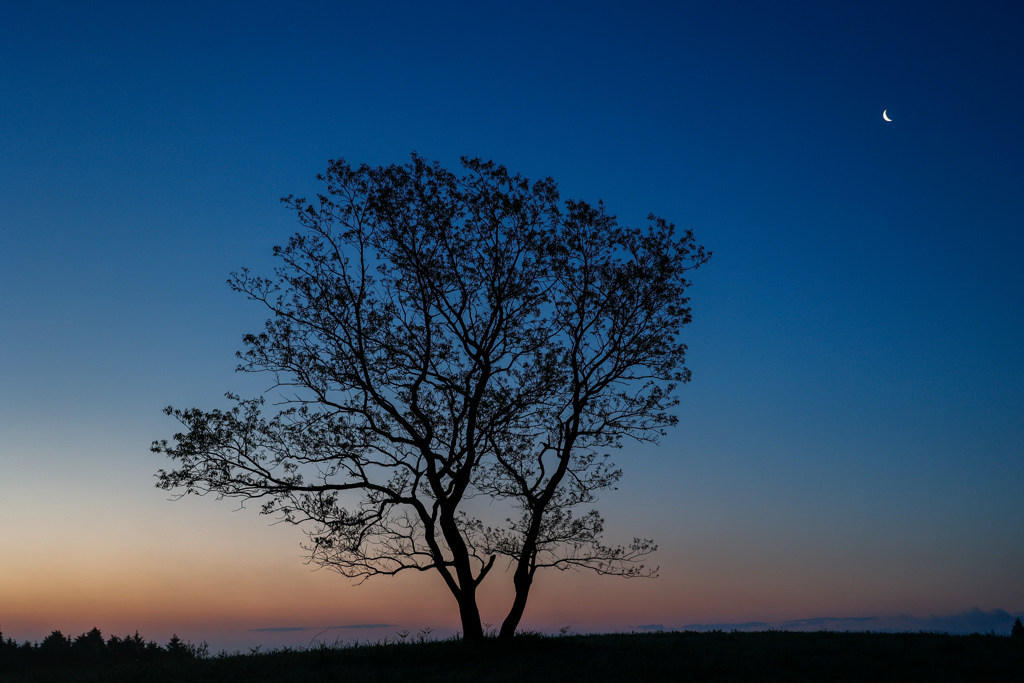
[
  {"x": 970, "y": 621},
  {"x": 287, "y": 629}
]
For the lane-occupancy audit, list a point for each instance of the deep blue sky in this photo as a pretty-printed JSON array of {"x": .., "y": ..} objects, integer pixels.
[{"x": 851, "y": 443}]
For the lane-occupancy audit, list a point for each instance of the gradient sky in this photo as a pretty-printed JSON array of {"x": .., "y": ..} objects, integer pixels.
[{"x": 852, "y": 442}]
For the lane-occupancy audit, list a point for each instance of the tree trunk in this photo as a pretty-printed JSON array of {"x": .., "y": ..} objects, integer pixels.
[
  {"x": 522, "y": 580},
  {"x": 465, "y": 593},
  {"x": 472, "y": 628}
]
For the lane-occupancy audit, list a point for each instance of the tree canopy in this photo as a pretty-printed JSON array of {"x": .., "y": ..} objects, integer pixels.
[{"x": 435, "y": 338}]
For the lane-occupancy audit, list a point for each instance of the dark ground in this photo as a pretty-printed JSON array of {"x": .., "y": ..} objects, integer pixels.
[{"x": 716, "y": 656}]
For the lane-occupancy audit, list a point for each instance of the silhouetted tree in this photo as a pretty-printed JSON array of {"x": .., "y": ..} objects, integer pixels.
[
  {"x": 89, "y": 647},
  {"x": 132, "y": 647},
  {"x": 1017, "y": 631},
  {"x": 8, "y": 648},
  {"x": 115, "y": 648},
  {"x": 443, "y": 338},
  {"x": 177, "y": 648},
  {"x": 55, "y": 648}
]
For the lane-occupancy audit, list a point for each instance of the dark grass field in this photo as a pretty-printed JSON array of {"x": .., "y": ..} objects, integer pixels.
[{"x": 717, "y": 656}]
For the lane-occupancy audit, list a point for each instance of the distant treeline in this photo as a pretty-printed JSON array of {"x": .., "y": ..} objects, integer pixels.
[{"x": 91, "y": 648}]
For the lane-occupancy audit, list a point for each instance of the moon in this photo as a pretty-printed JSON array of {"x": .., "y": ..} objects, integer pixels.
[{"x": 885, "y": 116}]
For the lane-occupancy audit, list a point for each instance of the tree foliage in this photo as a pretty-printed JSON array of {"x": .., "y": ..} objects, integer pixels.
[{"x": 436, "y": 338}]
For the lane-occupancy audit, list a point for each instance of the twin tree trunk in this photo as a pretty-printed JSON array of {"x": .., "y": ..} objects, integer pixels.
[
  {"x": 465, "y": 588},
  {"x": 469, "y": 612},
  {"x": 522, "y": 579}
]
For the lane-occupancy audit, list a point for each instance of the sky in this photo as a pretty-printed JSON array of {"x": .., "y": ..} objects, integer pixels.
[{"x": 851, "y": 445}]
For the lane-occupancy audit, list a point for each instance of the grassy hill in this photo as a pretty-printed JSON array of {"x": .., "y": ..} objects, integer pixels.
[{"x": 687, "y": 656}]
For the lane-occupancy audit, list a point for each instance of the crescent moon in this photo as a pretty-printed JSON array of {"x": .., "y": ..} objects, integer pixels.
[{"x": 885, "y": 116}]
